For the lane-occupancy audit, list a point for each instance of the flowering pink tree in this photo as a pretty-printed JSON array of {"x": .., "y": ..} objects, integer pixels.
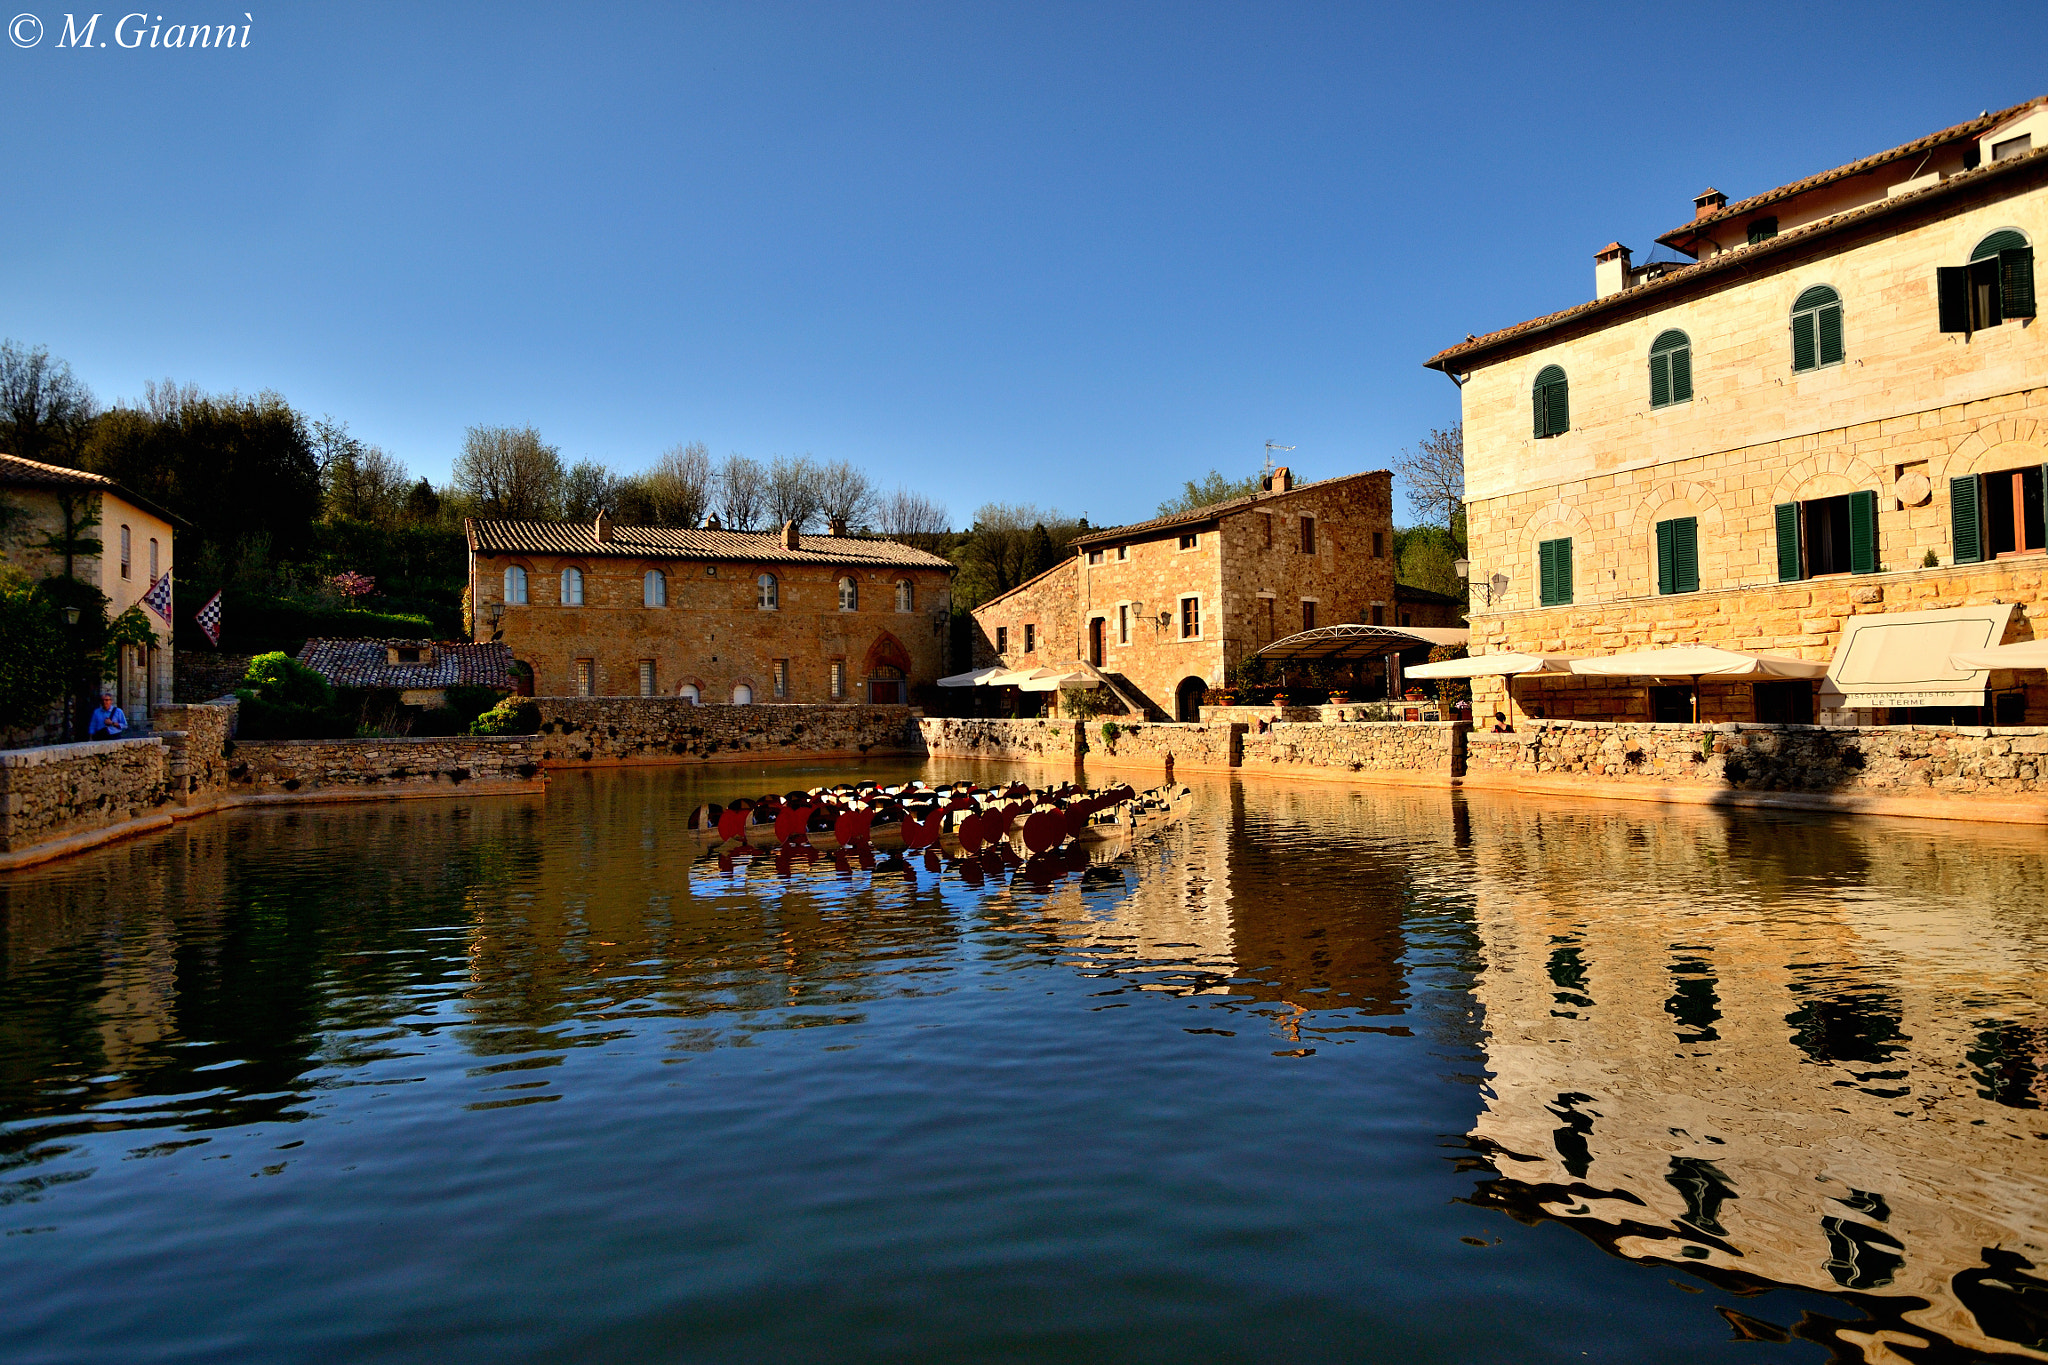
[{"x": 352, "y": 585}]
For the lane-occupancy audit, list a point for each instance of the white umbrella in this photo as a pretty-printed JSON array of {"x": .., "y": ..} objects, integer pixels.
[
  {"x": 1491, "y": 666},
  {"x": 973, "y": 679},
  {"x": 2025, "y": 654},
  {"x": 1695, "y": 662},
  {"x": 1053, "y": 679}
]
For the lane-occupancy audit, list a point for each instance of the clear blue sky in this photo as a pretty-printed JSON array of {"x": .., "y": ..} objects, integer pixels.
[{"x": 1071, "y": 254}]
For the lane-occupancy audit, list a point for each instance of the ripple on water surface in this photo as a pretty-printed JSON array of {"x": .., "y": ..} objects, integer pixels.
[{"x": 1334, "y": 1073}]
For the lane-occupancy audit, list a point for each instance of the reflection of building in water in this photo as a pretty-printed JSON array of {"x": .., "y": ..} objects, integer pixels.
[{"x": 1809, "y": 1052}]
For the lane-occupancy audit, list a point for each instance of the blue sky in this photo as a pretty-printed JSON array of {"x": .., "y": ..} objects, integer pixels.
[{"x": 1071, "y": 254}]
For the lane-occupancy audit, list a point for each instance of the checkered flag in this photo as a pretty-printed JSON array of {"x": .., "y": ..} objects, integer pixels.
[
  {"x": 208, "y": 618},
  {"x": 158, "y": 598}
]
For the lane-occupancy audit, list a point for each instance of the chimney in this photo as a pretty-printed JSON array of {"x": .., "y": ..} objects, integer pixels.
[
  {"x": 789, "y": 540},
  {"x": 1709, "y": 202},
  {"x": 604, "y": 525},
  {"x": 1279, "y": 481},
  {"x": 837, "y": 525},
  {"x": 1611, "y": 266},
  {"x": 712, "y": 523}
]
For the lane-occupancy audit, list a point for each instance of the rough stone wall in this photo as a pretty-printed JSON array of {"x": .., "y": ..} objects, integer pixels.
[
  {"x": 1047, "y": 604},
  {"x": 712, "y": 634},
  {"x": 1345, "y": 577},
  {"x": 197, "y": 738},
  {"x": 1147, "y": 745},
  {"x": 1030, "y": 741},
  {"x": 204, "y": 676},
  {"x": 65, "y": 789},
  {"x": 616, "y": 730},
  {"x": 1382, "y": 747},
  {"x": 1255, "y": 716},
  {"x": 1903, "y": 760},
  {"x": 263, "y": 767}
]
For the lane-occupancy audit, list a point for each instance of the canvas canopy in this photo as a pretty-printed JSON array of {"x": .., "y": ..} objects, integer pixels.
[
  {"x": 1492, "y": 666},
  {"x": 1352, "y": 641},
  {"x": 976, "y": 678},
  {"x": 1696, "y": 661},
  {"x": 1910, "y": 658},
  {"x": 1053, "y": 679},
  {"x": 2026, "y": 654}
]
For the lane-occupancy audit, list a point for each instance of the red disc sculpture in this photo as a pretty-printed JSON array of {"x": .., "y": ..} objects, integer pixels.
[{"x": 1044, "y": 830}]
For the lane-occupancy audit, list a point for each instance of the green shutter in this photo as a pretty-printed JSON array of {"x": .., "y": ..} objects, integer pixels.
[
  {"x": 1560, "y": 408},
  {"x": 1542, "y": 411},
  {"x": 1667, "y": 568},
  {"x": 1997, "y": 244},
  {"x": 1549, "y": 399},
  {"x": 1787, "y": 514},
  {"x": 2016, "y": 264},
  {"x": 1681, "y": 375},
  {"x": 1965, "y": 524},
  {"x": 1685, "y": 557},
  {"x": 1952, "y": 296},
  {"x": 1831, "y": 334},
  {"x": 1660, "y": 380},
  {"x": 1546, "y": 573},
  {"x": 1554, "y": 572},
  {"x": 1802, "y": 341},
  {"x": 1564, "y": 571},
  {"x": 1863, "y": 531}
]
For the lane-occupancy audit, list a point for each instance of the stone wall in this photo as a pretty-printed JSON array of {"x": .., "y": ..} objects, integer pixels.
[
  {"x": 1254, "y": 716},
  {"x": 1025, "y": 741},
  {"x": 203, "y": 675},
  {"x": 1903, "y": 760},
  {"x": 1049, "y": 605},
  {"x": 63, "y": 790},
  {"x": 196, "y": 737},
  {"x": 1193, "y": 747},
  {"x": 395, "y": 766},
  {"x": 604, "y": 731},
  {"x": 1433, "y": 750}
]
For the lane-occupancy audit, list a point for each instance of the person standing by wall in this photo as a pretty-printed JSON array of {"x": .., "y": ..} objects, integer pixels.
[{"x": 108, "y": 720}]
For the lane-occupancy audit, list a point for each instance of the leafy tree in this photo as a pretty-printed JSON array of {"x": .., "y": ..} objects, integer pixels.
[
  {"x": 358, "y": 481},
  {"x": 1212, "y": 489},
  {"x": 510, "y": 472},
  {"x": 1423, "y": 556},
  {"x": 422, "y": 503},
  {"x": 32, "y": 653},
  {"x": 586, "y": 487},
  {"x": 45, "y": 412},
  {"x": 1000, "y": 551},
  {"x": 1434, "y": 475}
]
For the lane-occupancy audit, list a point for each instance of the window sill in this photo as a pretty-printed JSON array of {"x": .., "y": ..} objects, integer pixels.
[{"x": 2020, "y": 554}]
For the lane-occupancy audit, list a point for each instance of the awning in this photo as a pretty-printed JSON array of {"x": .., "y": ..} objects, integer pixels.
[
  {"x": 1908, "y": 658},
  {"x": 1053, "y": 679},
  {"x": 1492, "y": 666},
  {"x": 1360, "y": 641},
  {"x": 2025, "y": 654},
  {"x": 1696, "y": 661},
  {"x": 974, "y": 679}
]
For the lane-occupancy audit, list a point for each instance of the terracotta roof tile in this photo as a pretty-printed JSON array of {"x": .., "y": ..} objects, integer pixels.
[
  {"x": 16, "y": 472},
  {"x": 678, "y": 542},
  {"x": 1138, "y": 529},
  {"x": 366, "y": 663}
]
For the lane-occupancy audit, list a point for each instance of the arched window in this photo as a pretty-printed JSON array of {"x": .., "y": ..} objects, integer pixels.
[
  {"x": 764, "y": 592},
  {"x": 515, "y": 585},
  {"x": 572, "y": 587},
  {"x": 742, "y": 695},
  {"x": 1816, "y": 329},
  {"x": 1997, "y": 284},
  {"x": 1552, "y": 402},
  {"x": 654, "y": 589},
  {"x": 690, "y": 692},
  {"x": 1670, "y": 369},
  {"x": 849, "y": 595},
  {"x": 906, "y": 596}
]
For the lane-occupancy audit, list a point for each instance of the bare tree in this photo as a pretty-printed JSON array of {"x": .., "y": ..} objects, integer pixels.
[
  {"x": 510, "y": 472},
  {"x": 742, "y": 492},
  {"x": 358, "y": 481},
  {"x": 904, "y": 515},
  {"x": 44, "y": 409},
  {"x": 1434, "y": 473},
  {"x": 793, "y": 490},
  {"x": 679, "y": 487},
  {"x": 846, "y": 495},
  {"x": 167, "y": 401}
]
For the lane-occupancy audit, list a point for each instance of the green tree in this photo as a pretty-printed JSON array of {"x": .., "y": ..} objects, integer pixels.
[
  {"x": 1423, "y": 556},
  {"x": 32, "y": 653},
  {"x": 1210, "y": 490}
]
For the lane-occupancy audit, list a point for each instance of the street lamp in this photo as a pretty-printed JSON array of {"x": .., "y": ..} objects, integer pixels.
[{"x": 70, "y": 701}]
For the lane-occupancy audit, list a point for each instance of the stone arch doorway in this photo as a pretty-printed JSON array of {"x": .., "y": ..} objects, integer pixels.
[{"x": 1187, "y": 698}]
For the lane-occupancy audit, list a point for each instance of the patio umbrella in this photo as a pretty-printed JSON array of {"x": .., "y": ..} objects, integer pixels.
[
  {"x": 1694, "y": 662},
  {"x": 1492, "y": 666},
  {"x": 1053, "y": 679},
  {"x": 974, "y": 679}
]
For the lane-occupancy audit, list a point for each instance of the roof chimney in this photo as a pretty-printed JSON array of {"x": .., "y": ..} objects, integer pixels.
[
  {"x": 1279, "y": 481},
  {"x": 837, "y": 525},
  {"x": 1611, "y": 265},
  {"x": 712, "y": 523},
  {"x": 789, "y": 540},
  {"x": 1710, "y": 201},
  {"x": 604, "y": 525}
]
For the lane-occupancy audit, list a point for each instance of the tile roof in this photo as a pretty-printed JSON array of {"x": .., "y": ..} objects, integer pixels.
[
  {"x": 365, "y": 663},
  {"x": 1408, "y": 593},
  {"x": 1742, "y": 208},
  {"x": 679, "y": 542},
  {"x": 1738, "y": 258},
  {"x": 1138, "y": 529},
  {"x": 19, "y": 473}
]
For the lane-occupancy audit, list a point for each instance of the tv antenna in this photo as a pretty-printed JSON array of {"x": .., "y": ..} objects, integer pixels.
[{"x": 1266, "y": 474}]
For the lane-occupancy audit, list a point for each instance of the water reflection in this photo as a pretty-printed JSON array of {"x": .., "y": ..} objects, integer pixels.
[{"x": 1797, "y": 1063}]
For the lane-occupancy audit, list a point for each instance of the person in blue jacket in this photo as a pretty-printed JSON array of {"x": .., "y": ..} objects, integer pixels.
[{"x": 108, "y": 721}]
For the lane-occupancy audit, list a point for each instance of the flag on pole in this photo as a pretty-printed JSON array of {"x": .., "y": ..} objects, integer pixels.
[
  {"x": 208, "y": 618},
  {"x": 158, "y": 598}
]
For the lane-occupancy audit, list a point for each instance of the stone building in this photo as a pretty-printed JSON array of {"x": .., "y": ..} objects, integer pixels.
[
  {"x": 1830, "y": 404},
  {"x": 1167, "y": 607},
  {"x": 594, "y": 609},
  {"x": 135, "y": 538}
]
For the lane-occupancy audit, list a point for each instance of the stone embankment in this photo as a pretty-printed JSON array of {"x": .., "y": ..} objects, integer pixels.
[
  {"x": 1194, "y": 747},
  {"x": 1008, "y": 741},
  {"x": 1417, "y": 752},
  {"x": 614, "y": 731},
  {"x": 62, "y": 790}
]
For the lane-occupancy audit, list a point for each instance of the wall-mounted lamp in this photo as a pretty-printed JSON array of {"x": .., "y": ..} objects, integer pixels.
[
  {"x": 71, "y": 616},
  {"x": 1492, "y": 587}
]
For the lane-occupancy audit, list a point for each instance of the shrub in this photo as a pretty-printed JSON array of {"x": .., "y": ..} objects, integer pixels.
[
  {"x": 283, "y": 699},
  {"x": 31, "y": 657},
  {"x": 1110, "y": 730},
  {"x": 511, "y": 716},
  {"x": 278, "y": 677}
]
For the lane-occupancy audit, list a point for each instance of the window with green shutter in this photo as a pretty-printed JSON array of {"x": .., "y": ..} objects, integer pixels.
[
  {"x": 1790, "y": 564},
  {"x": 1999, "y": 514},
  {"x": 1678, "y": 555},
  {"x": 1966, "y": 528},
  {"x": 1554, "y": 572},
  {"x": 1552, "y": 402},
  {"x": 1997, "y": 284},
  {"x": 1670, "y": 369},
  {"x": 1817, "y": 329},
  {"x": 1863, "y": 531}
]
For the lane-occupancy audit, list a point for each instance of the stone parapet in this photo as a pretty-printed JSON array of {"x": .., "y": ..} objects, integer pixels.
[
  {"x": 1192, "y": 747},
  {"x": 63, "y": 790},
  {"x": 1432, "y": 750},
  {"x": 610, "y": 731},
  {"x": 393, "y": 766},
  {"x": 1025, "y": 741},
  {"x": 196, "y": 737}
]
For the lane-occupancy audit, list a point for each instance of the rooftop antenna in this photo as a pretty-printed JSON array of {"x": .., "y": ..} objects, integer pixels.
[{"x": 1266, "y": 474}]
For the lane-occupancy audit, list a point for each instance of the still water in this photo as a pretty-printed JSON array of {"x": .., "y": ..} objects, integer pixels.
[{"x": 1320, "y": 1074}]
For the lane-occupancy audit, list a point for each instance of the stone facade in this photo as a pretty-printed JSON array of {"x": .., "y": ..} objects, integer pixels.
[
  {"x": 1192, "y": 747},
  {"x": 612, "y": 731},
  {"x": 1906, "y": 409},
  {"x": 1435, "y": 750},
  {"x": 1023, "y": 741},
  {"x": 390, "y": 767},
  {"x": 717, "y": 632},
  {"x": 205, "y": 676},
  {"x": 1226, "y": 581}
]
